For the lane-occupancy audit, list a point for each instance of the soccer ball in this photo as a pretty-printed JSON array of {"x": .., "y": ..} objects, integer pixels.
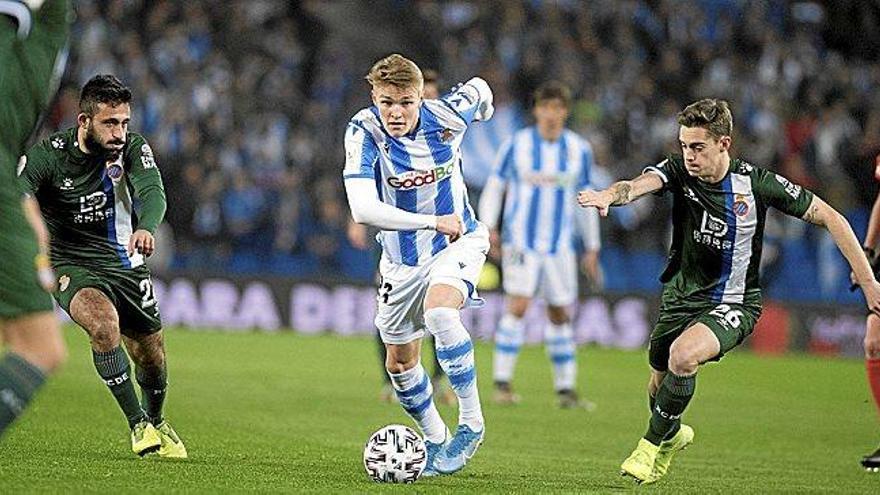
[{"x": 395, "y": 454}]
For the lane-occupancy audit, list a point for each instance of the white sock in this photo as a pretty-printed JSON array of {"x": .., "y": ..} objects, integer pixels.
[
  {"x": 508, "y": 340},
  {"x": 561, "y": 349},
  {"x": 455, "y": 352},
  {"x": 415, "y": 394}
]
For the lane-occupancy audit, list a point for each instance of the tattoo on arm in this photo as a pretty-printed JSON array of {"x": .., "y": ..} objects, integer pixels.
[{"x": 621, "y": 193}]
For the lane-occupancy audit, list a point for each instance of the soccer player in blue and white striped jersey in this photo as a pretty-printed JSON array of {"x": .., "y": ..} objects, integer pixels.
[
  {"x": 541, "y": 168},
  {"x": 403, "y": 175}
]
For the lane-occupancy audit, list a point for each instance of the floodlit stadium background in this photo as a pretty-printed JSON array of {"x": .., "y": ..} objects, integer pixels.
[{"x": 245, "y": 104}]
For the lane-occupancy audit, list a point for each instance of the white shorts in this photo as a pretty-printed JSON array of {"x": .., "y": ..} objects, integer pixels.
[
  {"x": 528, "y": 274},
  {"x": 400, "y": 316}
]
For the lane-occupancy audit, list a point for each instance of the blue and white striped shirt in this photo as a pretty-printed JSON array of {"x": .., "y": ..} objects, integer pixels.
[
  {"x": 420, "y": 172},
  {"x": 542, "y": 180}
]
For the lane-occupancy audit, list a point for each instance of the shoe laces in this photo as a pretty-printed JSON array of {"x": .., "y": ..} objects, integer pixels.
[{"x": 138, "y": 428}]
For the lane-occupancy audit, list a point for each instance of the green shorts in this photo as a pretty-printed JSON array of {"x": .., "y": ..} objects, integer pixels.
[
  {"x": 20, "y": 292},
  {"x": 130, "y": 291},
  {"x": 731, "y": 323}
]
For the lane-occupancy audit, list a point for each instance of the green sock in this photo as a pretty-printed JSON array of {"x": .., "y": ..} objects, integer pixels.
[
  {"x": 154, "y": 383},
  {"x": 113, "y": 368},
  {"x": 672, "y": 398},
  {"x": 19, "y": 380}
]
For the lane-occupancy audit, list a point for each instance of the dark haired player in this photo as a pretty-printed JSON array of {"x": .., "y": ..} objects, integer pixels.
[{"x": 85, "y": 179}]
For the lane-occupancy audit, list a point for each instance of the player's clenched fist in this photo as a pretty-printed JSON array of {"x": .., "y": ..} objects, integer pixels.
[
  {"x": 600, "y": 200},
  {"x": 142, "y": 242},
  {"x": 450, "y": 225}
]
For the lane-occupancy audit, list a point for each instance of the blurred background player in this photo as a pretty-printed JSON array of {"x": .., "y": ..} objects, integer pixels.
[
  {"x": 33, "y": 36},
  {"x": 541, "y": 167},
  {"x": 85, "y": 179},
  {"x": 359, "y": 236},
  {"x": 403, "y": 175},
  {"x": 711, "y": 294},
  {"x": 871, "y": 461}
]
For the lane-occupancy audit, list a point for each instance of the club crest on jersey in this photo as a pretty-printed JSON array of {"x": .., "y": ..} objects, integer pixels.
[
  {"x": 740, "y": 206},
  {"x": 58, "y": 143},
  {"x": 114, "y": 171},
  {"x": 420, "y": 178},
  {"x": 446, "y": 135},
  {"x": 66, "y": 184}
]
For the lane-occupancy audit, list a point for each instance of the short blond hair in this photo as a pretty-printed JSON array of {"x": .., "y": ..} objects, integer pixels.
[
  {"x": 398, "y": 71},
  {"x": 709, "y": 113}
]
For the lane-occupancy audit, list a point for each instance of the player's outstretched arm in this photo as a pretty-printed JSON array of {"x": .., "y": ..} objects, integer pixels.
[
  {"x": 820, "y": 213},
  {"x": 620, "y": 193}
]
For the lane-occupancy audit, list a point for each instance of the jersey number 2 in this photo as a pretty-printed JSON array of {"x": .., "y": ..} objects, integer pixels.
[
  {"x": 385, "y": 291},
  {"x": 148, "y": 297}
]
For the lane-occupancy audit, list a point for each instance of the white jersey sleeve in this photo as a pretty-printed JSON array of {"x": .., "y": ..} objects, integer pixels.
[
  {"x": 470, "y": 101},
  {"x": 493, "y": 193}
]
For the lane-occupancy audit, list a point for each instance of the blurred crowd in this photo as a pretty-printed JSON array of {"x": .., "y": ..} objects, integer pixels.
[{"x": 245, "y": 102}]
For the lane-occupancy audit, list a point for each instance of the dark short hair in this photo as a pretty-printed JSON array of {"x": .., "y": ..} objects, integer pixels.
[
  {"x": 103, "y": 88},
  {"x": 711, "y": 114},
  {"x": 431, "y": 76},
  {"x": 553, "y": 90}
]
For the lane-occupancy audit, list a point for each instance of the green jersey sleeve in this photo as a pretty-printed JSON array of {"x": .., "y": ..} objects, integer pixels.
[
  {"x": 31, "y": 62},
  {"x": 670, "y": 171},
  {"x": 782, "y": 194},
  {"x": 34, "y": 169},
  {"x": 146, "y": 181}
]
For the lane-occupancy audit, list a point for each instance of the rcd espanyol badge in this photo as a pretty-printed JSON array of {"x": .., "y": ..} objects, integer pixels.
[{"x": 115, "y": 170}]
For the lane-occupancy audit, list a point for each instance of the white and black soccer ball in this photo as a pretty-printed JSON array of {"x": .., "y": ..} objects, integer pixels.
[{"x": 395, "y": 454}]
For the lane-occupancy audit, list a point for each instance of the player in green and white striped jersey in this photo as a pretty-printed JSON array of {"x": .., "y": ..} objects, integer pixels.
[{"x": 711, "y": 292}]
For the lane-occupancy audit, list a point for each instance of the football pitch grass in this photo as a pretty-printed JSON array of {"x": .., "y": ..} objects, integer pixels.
[{"x": 285, "y": 413}]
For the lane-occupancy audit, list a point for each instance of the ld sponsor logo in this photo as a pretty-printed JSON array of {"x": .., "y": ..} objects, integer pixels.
[{"x": 713, "y": 225}]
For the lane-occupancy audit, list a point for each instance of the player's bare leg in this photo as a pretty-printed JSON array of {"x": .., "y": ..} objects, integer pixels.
[
  {"x": 871, "y": 462},
  {"x": 693, "y": 347},
  {"x": 35, "y": 350},
  {"x": 416, "y": 395},
  {"x": 508, "y": 340},
  {"x": 455, "y": 351},
  {"x": 561, "y": 348},
  {"x": 93, "y": 311},
  {"x": 148, "y": 353}
]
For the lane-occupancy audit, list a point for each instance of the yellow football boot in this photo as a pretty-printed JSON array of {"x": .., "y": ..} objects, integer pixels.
[
  {"x": 668, "y": 448},
  {"x": 172, "y": 445},
  {"x": 640, "y": 464},
  {"x": 144, "y": 438}
]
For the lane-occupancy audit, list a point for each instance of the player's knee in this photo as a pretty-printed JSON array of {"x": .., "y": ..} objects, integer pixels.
[
  {"x": 48, "y": 356},
  {"x": 872, "y": 347},
  {"x": 683, "y": 359},
  {"x": 53, "y": 358},
  {"x": 440, "y": 320},
  {"x": 558, "y": 315},
  {"x": 104, "y": 333},
  {"x": 517, "y": 306},
  {"x": 397, "y": 365}
]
